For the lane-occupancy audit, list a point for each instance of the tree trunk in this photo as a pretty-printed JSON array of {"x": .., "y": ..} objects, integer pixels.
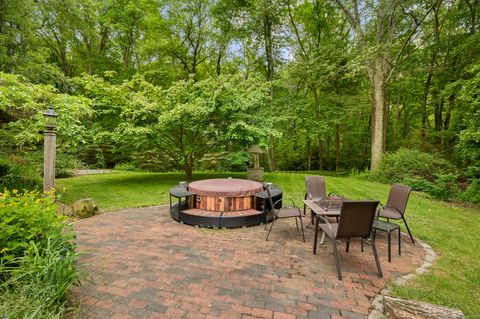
[
  {"x": 379, "y": 125},
  {"x": 271, "y": 154},
  {"x": 188, "y": 167},
  {"x": 309, "y": 154},
  {"x": 320, "y": 154},
  {"x": 337, "y": 146}
]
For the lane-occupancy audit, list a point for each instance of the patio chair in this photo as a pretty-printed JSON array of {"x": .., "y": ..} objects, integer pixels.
[
  {"x": 284, "y": 212},
  {"x": 396, "y": 204},
  {"x": 316, "y": 190},
  {"x": 356, "y": 220}
]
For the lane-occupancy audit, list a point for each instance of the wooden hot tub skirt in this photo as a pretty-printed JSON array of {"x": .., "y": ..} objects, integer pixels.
[{"x": 224, "y": 203}]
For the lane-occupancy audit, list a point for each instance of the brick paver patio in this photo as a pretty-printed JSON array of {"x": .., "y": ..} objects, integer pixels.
[{"x": 146, "y": 265}]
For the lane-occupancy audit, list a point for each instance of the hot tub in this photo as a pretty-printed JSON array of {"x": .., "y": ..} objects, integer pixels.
[
  {"x": 225, "y": 194},
  {"x": 222, "y": 202}
]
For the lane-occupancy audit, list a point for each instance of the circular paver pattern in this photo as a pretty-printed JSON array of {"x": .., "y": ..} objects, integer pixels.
[{"x": 143, "y": 264}]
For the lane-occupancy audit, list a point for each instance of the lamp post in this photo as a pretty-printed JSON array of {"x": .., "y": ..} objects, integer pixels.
[{"x": 49, "y": 149}]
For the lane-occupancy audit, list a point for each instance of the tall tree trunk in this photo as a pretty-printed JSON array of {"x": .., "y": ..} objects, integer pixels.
[
  {"x": 337, "y": 146},
  {"x": 309, "y": 154},
  {"x": 268, "y": 46},
  {"x": 320, "y": 154},
  {"x": 188, "y": 167},
  {"x": 379, "y": 112},
  {"x": 271, "y": 154}
]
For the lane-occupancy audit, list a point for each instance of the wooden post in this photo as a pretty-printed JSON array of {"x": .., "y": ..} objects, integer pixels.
[
  {"x": 49, "y": 149},
  {"x": 49, "y": 153}
]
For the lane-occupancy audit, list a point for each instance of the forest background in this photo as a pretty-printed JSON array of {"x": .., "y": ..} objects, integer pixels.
[{"x": 181, "y": 85}]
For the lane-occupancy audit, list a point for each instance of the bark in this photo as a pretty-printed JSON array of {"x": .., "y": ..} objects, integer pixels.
[
  {"x": 309, "y": 154},
  {"x": 271, "y": 154},
  {"x": 397, "y": 308},
  {"x": 320, "y": 154},
  {"x": 188, "y": 167},
  {"x": 268, "y": 46},
  {"x": 337, "y": 146},
  {"x": 396, "y": 124},
  {"x": 377, "y": 77},
  {"x": 433, "y": 61},
  {"x": 472, "y": 6},
  {"x": 426, "y": 90},
  {"x": 438, "y": 116}
]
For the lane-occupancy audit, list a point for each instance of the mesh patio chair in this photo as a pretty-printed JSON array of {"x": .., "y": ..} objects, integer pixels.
[
  {"x": 356, "y": 220},
  {"x": 396, "y": 204},
  {"x": 316, "y": 190},
  {"x": 284, "y": 212}
]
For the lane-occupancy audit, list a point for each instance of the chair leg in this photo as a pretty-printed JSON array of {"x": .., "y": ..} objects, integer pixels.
[
  {"x": 337, "y": 259},
  {"x": 348, "y": 245},
  {"x": 270, "y": 230},
  {"x": 389, "y": 236},
  {"x": 296, "y": 222},
  {"x": 316, "y": 236},
  {"x": 303, "y": 232},
  {"x": 399, "y": 242},
  {"x": 267, "y": 216},
  {"x": 408, "y": 229},
  {"x": 375, "y": 255},
  {"x": 361, "y": 244}
]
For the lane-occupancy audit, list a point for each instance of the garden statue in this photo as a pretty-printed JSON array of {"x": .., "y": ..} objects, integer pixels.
[{"x": 255, "y": 173}]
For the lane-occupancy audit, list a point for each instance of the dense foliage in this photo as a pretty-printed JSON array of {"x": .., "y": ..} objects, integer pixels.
[
  {"x": 318, "y": 84},
  {"x": 37, "y": 257}
]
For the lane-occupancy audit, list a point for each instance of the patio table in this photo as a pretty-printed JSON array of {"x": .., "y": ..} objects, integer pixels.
[{"x": 318, "y": 210}]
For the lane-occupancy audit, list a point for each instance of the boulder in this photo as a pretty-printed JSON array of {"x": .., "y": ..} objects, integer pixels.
[{"x": 84, "y": 208}]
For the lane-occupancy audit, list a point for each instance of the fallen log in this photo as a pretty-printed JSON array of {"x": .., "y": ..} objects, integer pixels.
[{"x": 396, "y": 308}]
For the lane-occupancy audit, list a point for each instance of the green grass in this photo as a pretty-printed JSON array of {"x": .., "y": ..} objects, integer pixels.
[{"x": 452, "y": 231}]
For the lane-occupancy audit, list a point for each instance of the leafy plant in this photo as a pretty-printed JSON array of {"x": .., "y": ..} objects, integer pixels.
[
  {"x": 36, "y": 284},
  {"x": 27, "y": 217},
  {"x": 407, "y": 163},
  {"x": 18, "y": 174},
  {"x": 128, "y": 167}
]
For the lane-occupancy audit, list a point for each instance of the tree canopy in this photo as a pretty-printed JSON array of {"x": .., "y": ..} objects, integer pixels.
[{"x": 319, "y": 84}]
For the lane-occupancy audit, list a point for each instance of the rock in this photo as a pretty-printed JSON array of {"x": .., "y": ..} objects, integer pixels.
[
  {"x": 397, "y": 308},
  {"x": 84, "y": 208}
]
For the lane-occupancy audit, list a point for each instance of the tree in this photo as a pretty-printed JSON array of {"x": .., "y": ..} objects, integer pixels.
[
  {"x": 21, "y": 106},
  {"x": 381, "y": 57}
]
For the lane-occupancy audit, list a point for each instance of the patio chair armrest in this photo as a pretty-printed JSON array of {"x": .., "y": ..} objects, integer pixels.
[
  {"x": 308, "y": 196},
  {"x": 377, "y": 213},
  {"x": 326, "y": 221},
  {"x": 285, "y": 199},
  {"x": 334, "y": 195}
]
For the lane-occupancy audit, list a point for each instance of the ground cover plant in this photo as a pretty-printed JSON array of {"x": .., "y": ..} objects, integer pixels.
[
  {"x": 37, "y": 257},
  {"x": 453, "y": 280}
]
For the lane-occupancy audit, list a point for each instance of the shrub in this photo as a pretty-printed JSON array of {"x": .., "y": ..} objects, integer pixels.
[
  {"x": 128, "y": 167},
  {"x": 418, "y": 183},
  {"x": 65, "y": 164},
  {"x": 37, "y": 283},
  {"x": 236, "y": 162},
  {"x": 18, "y": 174},
  {"x": 25, "y": 218},
  {"x": 472, "y": 193},
  {"x": 445, "y": 187},
  {"x": 406, "y": 163}
]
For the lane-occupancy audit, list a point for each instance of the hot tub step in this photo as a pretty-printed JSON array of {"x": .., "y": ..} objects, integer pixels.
[{"x": 208, "y": 218}]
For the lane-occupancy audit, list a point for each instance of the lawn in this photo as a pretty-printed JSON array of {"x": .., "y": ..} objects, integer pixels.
[{"x": 452, "y": 231}]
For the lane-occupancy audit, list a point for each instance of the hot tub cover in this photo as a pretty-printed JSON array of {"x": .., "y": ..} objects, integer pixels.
[{"x": 225, "y": 187}]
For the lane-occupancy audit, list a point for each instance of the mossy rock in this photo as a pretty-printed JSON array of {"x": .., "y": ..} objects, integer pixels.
[{"x": 84, "y": 208}]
